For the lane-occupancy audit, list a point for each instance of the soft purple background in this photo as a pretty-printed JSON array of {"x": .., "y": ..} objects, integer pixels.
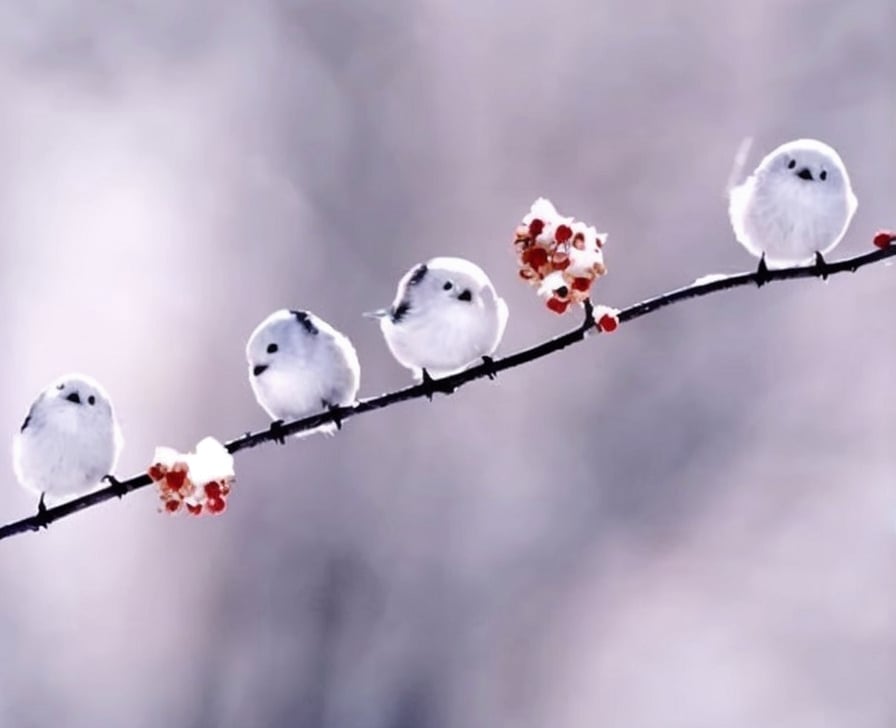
[{"x": 690, "y": 523}]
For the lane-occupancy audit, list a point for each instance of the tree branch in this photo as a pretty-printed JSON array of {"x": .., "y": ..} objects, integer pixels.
[{"x": 448, "y": 384}]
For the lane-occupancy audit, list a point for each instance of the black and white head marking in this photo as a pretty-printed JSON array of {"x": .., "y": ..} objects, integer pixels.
[
  {"x": 305, "y": 320},
  {"x": 401, "y": 309}
]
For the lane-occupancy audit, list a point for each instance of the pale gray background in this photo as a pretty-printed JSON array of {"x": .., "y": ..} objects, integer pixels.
[{"x": 690, "y": 523}]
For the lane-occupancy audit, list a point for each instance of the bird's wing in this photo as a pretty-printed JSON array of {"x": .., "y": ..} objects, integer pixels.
[
  {"x": 738, "y": 197},
  {"x": 30, "y": 414},
  {"x": 503, "y": 314}
]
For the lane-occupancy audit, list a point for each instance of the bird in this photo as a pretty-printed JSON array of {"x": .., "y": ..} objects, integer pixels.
[
  {"x": 795, "y": 207},
  {"x": 299, "y": 365},
  {"x": 69, "y": 442},
  {"x": 446, "y": 315}
]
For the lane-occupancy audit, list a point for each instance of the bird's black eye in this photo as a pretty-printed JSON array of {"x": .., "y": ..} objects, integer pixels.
[
  {"x": 791, "y": 164},
  {"x": 447, "y": 286},
  {"x": 272, "y": 348},
  {"x": 823, "y": 175},
  {"x": 91, "y": 399}
]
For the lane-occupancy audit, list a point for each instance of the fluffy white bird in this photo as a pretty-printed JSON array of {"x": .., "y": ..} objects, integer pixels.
[
  {"x": 299, "y": 365},
  {"x": 445, "y": 316},
  {"x": 69, "y": 442},
  {"x": 795, "y": 207}
]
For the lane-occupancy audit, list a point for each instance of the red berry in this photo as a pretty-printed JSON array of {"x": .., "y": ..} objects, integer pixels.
[
  {"x": 608, "y": 323},
  {"x": 172, "y": 506},
  {"x": 212, "y": 490},
  {"x": 884, "y": 239},
  {"x": 156, "y": 473},
  {"x": 557, "y": 305},
  {"x": 536, "y": 227},
  {"x": 535, "y": 257},
  {"x": 216, "y": 505},
  {"x": 194, "y": 509},
  {"x": 175, "y": 479},
  {"x": 581, "y": 284},
  {"x": 562, "y": 233}
]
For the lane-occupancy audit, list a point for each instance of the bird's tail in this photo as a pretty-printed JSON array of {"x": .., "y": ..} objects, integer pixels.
[{"x": 738, "y": 163}]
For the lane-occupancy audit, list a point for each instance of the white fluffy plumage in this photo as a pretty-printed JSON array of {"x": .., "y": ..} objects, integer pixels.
[
  {"x": 445, "y": 316},
  {"x": 299, "y": 365},
  {"x": 798, "y": 202},
  {"x": 69, "y": 441}
]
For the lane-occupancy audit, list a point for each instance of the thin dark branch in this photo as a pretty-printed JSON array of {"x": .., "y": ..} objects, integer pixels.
[{"x": 447, "y": 385}]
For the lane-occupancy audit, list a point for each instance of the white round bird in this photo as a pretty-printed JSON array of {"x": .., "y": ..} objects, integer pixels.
[
  {"x": 445, "y": 316},
  {"x": 69, "y": 442},
  {"x": 299, "y": 365},
  {"x": 795, "y": 207}
]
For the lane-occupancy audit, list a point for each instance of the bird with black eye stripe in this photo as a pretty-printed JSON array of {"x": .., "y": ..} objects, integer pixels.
[
  {"x": 446, "y": 316},
  {"x": 69, "y": 441},
  {"x": 300, "y": 365},
  {"x": 795, "y": 207}
]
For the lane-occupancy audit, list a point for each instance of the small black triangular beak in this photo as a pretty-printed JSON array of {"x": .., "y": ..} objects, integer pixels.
[
  {"x": 805, "y": 173},
  {"x": 258, "y": 369},
  {"x": 74, "y": 397}
]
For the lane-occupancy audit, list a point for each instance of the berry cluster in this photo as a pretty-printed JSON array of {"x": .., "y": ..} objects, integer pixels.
[
  {"x": 197, "y": 482},
  {"x": 560, "y": 255}
]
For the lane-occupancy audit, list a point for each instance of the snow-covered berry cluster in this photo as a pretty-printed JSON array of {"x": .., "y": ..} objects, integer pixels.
[
  {"x": 196, "y": 482},
  {"x": 560, "y": 255}
]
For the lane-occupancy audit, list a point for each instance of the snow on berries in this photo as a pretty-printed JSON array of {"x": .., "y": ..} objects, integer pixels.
[
  {"x": 606, "y": 319},
  {"x": 196, "y": 482},
  {"x": 559, "y": 255}
]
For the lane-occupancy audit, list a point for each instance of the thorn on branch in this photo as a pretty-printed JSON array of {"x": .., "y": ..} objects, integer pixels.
[{"x": 762, "y": 274}]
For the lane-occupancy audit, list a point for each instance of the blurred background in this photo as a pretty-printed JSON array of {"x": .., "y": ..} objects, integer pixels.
[{"x": 690, "y": 523}]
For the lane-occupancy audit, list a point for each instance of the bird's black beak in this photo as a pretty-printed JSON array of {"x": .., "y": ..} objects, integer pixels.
[
  {"x": 805, "y": 173},
  {"x": 259, "y": 369},
  {"x": 74, "y": 397},
  {"x": 465, "y": 295}
]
